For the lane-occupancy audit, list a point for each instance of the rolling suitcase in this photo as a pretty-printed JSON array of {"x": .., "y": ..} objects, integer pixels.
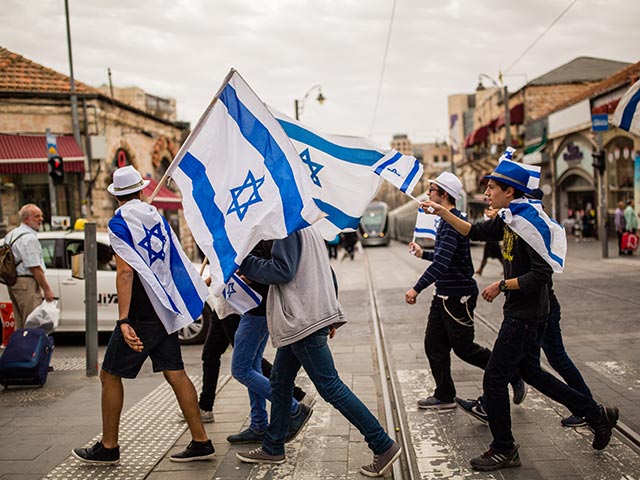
[
  {"x": 629, "y": 242},
  {"x": 26, "y": 359}
]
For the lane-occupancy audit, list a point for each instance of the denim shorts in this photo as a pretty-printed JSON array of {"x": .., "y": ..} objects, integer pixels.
[{"x": 164, "y": 350}]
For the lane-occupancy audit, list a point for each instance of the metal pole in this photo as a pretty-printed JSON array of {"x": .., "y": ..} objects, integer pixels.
[
  {"x": 53, "y": 199},
  {"x": 507, "y": 118},
  {"x": 91, "y": 297},
  {"x": 602, "y": 224},
  {"x": 295, "y": 107},
  {"x": 74, "y": 98}
]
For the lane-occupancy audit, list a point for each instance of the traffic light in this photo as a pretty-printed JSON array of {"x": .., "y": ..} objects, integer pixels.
[
  {"x": 56, "y": 169},
  {"x": 599, "y": 162}
]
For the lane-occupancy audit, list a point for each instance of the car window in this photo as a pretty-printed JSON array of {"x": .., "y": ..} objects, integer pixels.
[
  {"x": 48, "y": 251},
  {"x": 71, "y": 248},
  {"x": 106, "y": 260}
]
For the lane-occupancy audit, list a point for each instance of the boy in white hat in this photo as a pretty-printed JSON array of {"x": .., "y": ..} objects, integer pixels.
[{"x": 450, "y": 322}]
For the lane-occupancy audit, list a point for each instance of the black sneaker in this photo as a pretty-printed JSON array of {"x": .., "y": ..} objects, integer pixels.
[
  {"x": 519, "y": 392},
  {"x": 573, "y": 421},
  {"x": 491, "y": 460},
  {"x": 194, "y": 451},
  {"x": 602, "y": 424},
  {"x": 473, "y": 408},
  {"x": 246, "y": 436},
  {"x": 97, "y": 454},
  {"x": 259, "y": 456},
  {"x": 298, "y": 421}
]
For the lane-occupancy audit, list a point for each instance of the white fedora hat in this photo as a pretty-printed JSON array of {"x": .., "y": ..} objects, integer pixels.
[
  {"x": 126, "y": 180},
  {"x": 450, "y": 184}
]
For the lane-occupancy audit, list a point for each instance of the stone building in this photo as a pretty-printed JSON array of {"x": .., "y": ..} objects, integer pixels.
[{"x": 130, "y": 127}]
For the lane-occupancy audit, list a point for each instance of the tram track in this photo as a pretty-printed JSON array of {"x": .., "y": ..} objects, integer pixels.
[{"x": 629, "y": 435}]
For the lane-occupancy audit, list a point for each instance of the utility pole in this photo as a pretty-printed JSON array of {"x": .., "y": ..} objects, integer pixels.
[
  {"x": 507, "y": 117},
  {"x": 602, "y": 200},
  {"x": 52, "y": 150}
]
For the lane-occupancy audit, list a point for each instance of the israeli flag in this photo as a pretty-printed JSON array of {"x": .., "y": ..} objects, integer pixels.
[
  {"x": 426, "y": 225},
  {"x": 340, "y": 170},
  {"x": 240, "y": 295},
  {"x": 143, "y": 238},
  {"x": 532, "y": 170},
  {"x": 627, "y": 114},
  {"x": 241, "y": 180},
  {"x": 402, "y": 171},
  {"x": 547, "y": 237}
]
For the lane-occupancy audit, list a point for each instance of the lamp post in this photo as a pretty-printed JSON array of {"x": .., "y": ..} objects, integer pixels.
[
  {"x": 505, "y": 100},
  {"x": 298, "y": 105}
]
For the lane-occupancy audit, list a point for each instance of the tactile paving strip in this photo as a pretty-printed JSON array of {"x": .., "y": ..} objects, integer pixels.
[
  {"x": 68, "y": 363},
  {"x": 147, "y": 431}
]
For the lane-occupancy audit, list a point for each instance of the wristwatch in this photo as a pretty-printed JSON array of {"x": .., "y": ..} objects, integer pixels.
[
  {"x": 503, "y": 286},
  {"x": 124, "y": 320}
]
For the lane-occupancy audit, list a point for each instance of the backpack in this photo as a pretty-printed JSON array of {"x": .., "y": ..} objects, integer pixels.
[{"x": 8, "y": 274}]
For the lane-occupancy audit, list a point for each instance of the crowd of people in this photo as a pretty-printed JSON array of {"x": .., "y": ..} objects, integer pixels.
[{"x": 300, "y": 312}]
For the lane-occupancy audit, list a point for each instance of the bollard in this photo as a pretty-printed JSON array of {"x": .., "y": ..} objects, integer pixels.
[{"x": 91, "y": 297}]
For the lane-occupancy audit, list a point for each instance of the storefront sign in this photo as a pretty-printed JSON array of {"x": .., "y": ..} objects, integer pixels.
[{"x": 600, "y": 122}]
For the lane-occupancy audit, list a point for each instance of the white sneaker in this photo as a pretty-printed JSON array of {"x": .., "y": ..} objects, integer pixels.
[{"x": 207, "y": 416}]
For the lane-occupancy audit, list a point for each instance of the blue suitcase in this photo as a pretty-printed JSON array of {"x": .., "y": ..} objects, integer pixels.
[{"x": 26, "y": 359}]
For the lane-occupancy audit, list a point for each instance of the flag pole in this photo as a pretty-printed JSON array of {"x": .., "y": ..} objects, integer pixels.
[{"x": 185, "y": 146}]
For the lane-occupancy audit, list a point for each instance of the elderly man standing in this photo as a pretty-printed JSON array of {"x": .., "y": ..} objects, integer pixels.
[{"x": 32, "y": 284}]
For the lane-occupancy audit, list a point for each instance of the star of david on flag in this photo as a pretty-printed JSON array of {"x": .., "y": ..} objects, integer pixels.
[
  {"x": 314, "y": 167},
  {"x": 240, "y": 295},
  {"x": 426, "y": 225},
  {"x": 241, "y": 180},
  {"x": 141, "y": 236}
]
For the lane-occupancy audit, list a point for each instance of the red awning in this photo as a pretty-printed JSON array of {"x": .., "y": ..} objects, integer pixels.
[
  {"x": 477, "y": 136},
  {"x": 28, "y": 154},
  {"x": 516, "y": 116},
  {"x": 165, "y": 198}
]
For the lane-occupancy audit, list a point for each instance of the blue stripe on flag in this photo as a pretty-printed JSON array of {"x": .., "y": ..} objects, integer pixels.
[
  {"x": 530, "y": 214},
  {"x": 425, "y": 230},
  {"x": 337, "y": 216},
  {"x": 249, "y": 291},
  {"x": 358, "y": 156},
  {"x": 391, "y": 161},
  {"x": 411, "y": 176},
  {"x": 204, "y": 195},
  {"x": 183, "y": 281},
  {"x": 629, "y": 111},
  {"x": 119, "y": 227},
  {"x": 274, "y": 158}
]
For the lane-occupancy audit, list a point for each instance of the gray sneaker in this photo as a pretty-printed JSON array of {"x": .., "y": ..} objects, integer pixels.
[
  {"x": 432, "y": 403},
  {"x": 382, "y": 462},
  {"x": 259, "y": 456},
  {"x": 207, "y": 416}
]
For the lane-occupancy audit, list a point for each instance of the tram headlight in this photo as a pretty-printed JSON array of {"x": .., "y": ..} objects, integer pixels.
[
  {"x": 365, "y": 235},
  {"x": 381, "y": 234}
]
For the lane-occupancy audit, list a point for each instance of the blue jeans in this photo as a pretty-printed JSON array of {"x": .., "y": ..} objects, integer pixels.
[
  {"x": 313, "y": 354},
  {"x": 518, "y": 347},
  {"x": 553, "y": 348},
  {"x": 246, "y": 367}
]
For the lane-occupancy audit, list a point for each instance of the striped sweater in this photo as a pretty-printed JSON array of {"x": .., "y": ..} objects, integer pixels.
[{"x": 451, "y": 268}]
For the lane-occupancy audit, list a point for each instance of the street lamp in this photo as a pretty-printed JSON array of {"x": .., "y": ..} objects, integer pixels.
[
  {"x": 298, "y": 105},
  {"x": 505, "y": 100}
]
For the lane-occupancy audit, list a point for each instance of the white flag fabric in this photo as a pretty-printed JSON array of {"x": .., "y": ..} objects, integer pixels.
[
  {"x": 340, "y": 170},
  {"x": 143, "y": 238},
  {"x": 547, "y": 237},
  {"x": 533, "y": 170},
  {"x": 627, "y": 114},
  {"x": 403, "y": 171},
  {"x": 426, "y": 225},
  {"x": 240, "y": 295},
  {"x": 241, "y": 180}
]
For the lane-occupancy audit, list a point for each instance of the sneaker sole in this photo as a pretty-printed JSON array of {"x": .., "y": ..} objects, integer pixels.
[
  {"x": 245, "y": 442},
  {"x": 304, "y": 424},
  {"x": 386, "y": 467},
  {"x": 573, "y": 425},
  {"x": 443, "y": 406},
  {"x": 193, "y": 459},
  {"x": 256, "y": 460},
  {"x": 94, "y": 462},
  {"x": 500, "y": 466},
  {"x": 474, "y": 415}
]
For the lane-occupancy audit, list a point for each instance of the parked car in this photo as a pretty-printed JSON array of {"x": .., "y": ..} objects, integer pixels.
[{"x": 57, "y": 249}]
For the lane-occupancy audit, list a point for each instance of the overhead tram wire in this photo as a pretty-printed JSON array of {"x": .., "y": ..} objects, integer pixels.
[
  {"x": 532, "y": 44},
  {"x": 382, "y": 70}
]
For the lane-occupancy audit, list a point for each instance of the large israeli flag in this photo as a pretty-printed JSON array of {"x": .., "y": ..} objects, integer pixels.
[
  {"x": 241, "y": 180},
  {"x": 402, "y": 171},
  {"x": 426, "y": 225},
  {"x": 240, "y": 295},
  {"x": 340, "y": 170},
  {"x": 627, "y": 114},
  {"x": 547, "y": 237},
  {"x": 143, "y": 238}
]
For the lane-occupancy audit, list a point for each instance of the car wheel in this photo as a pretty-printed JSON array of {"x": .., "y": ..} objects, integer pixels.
[{"x": 196, "y": 332}]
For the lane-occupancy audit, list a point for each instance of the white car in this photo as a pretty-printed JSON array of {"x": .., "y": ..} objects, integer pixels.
[{"x": 57, "y": 249}]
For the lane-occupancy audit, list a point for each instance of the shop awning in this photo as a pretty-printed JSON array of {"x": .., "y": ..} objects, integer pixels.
[
  {"x": 28, "y": 154},
  {"x": 477, "y": 136},
  {"x": 516, "y": 116},
  {"x": 165, "y": 198}
]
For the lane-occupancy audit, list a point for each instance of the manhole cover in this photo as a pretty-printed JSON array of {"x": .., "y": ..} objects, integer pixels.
[{"x": 32, "y": 396}]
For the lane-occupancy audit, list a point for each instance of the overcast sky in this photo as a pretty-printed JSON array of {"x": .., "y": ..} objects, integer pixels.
[{"x": 184, "y": 49}]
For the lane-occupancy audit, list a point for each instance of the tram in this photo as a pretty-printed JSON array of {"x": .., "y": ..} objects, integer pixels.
[{"x": 374, "y": 225}]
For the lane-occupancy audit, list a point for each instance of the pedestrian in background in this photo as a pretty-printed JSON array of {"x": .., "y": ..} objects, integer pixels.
[
  {"x": 630, "y": 218},
  {"x": 31, "y": 285},
  {"x": 620, "y": 224}
]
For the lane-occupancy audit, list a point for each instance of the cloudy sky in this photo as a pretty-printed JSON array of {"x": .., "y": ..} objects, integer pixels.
[{"x": 184, "y": 48}]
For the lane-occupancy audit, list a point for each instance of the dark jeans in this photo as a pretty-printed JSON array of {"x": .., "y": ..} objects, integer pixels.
[
  {"x": 518, "y": 347},
  {"x": 450, "y": 327},
  {"x": 314, "y": 355},
  {"x": 620, "y": 234},
  {"x": 220, "y": 335},
  {"x": 553, "y": 348}
]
